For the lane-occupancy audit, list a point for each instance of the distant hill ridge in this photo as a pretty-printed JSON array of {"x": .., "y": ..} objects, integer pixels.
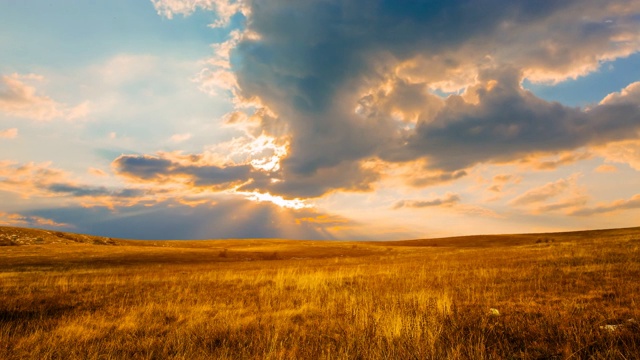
[
  {"x": 17, "y": 236},
  {"x": 521, "y": 239}
]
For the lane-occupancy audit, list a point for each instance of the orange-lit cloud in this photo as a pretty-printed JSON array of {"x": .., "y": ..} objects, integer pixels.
[
  {"x": 603, "y": 208},
  {"x": 630, "y": 94},
  {"x": 19, "y": 98},
  {"x": 41, "y": 180},
  {"x": 500, "y": 184},
  {"x": 606, "y": 168},
  {"x": 624, "y": 152},
  {"x": 418, "y": 174},
  {"x": 9, "y": 133},
  {"x": 96, "y": 172},
  {"x": 563, "y": 194},
  {"x": 552, "y": 162},
  {"x": 545, "y": 192},
  {"x": 448, "y": 199},
  {"x": 15, "y": 219}
]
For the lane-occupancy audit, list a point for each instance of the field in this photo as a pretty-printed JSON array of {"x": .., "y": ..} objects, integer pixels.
[{"x": 536, "y": 296}]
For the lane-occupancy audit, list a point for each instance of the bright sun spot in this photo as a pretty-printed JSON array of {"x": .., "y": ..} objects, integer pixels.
[
  {"x": 266, "y": 153},
  {"x": 275, "y": 199}
]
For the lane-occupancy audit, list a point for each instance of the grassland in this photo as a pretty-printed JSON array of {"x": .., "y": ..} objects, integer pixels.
[{"x": 559, "y": 296}]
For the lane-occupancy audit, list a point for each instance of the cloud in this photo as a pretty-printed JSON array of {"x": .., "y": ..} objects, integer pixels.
[
  {"x": 9, "y": 133},
  {"x": 41, "y": 180},
  {"x": 25, "y": 179},
  {"x": 340, "y": 85},
  {"x": 15, "y": 219},
  {"x": 568, "y": 204},
  {"x": 630, "y": 94},
  {"x": 503, "y": 178},
  {"x": 435, "y": 177},
  {"x": 148, "y": 208},
  {"x": 158, "y": 169},
  {"x": 347, "y": 76},
  {"x": 545, "y": 192},
  {"x": 96, "y": 172},
  {"x": 165, "y": 211},
  {"x": 344, "y": 176},
  {"x": 448, "y": 199},
  {"x": 618, "y": 205},
  {"x": 20, "y": 99},
  {"x": 185, "y": 174},
  {"x": 556, "y": 161},
  {"x": 81, "y": 191},
  {"x": 500, "y": 181},
  {"x": 509, "y": 123},
  {"x": 563, "y": 195},
  {"x": 625, "y": 152},
  {"x": 224, "y": 9},
  {"x": 177, "y": 138},
  {"x": 606, "y": 168},
  {"x": 476, "y": 210}
]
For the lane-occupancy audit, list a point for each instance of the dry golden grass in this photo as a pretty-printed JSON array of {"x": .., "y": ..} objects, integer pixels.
[{"x": 65, "y": 296}]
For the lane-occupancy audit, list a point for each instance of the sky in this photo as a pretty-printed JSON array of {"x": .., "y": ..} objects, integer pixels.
[{"x": 319, "y": 119}]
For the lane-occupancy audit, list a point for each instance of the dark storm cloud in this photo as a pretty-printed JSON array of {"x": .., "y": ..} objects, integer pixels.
[
  {"x": 347, "y": 176},
  {"x": 143, "y": 167},
  {"x": 509, "y": 122},
  {"x": 156, "y": 169},
  {"x": 314, "y": 62},
  {"x": 309, "y": 48},
  {"x": 357, "y": 80}
]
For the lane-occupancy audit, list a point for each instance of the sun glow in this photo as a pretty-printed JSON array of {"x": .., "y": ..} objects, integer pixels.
[
  {"x": 277, "y": 200},
  {"x": 266, "y": 153}
]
